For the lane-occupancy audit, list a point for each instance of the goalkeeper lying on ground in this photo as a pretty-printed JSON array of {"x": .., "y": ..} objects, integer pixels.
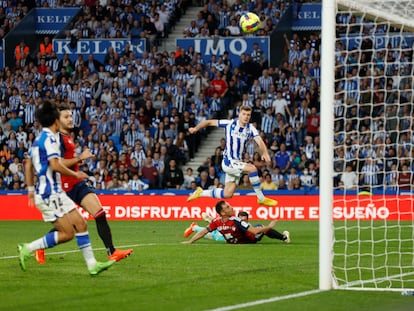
[{"x": 234, "y": 230}]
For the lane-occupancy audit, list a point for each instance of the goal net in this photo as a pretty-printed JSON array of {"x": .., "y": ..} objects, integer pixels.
[{"x": 373, "y": 232}]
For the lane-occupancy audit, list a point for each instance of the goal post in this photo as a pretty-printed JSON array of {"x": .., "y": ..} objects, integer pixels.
[
  {"x": 326, "y": 152},
  {"x": 366, "y": 219}
]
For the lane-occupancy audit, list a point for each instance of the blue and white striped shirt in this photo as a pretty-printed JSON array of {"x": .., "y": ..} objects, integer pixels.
[
  {"x": 46, "y": 147},
  {"x": 29, "y": 113},
  {"x": 236, "y": 138},
  {"x": 268, "y": 123},
  {"x": 370, "y": 172}
]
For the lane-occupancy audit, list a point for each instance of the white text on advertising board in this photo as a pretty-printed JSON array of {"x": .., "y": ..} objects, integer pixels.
[
  {"x": 212, "y": 47},
  {"x": 94, "y": 46},
  {"x": 309, "y": 15},
  {"x": 53, "y": 19}
]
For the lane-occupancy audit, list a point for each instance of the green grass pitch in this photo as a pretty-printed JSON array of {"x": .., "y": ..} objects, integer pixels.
[{"x": 163, "y": 274}]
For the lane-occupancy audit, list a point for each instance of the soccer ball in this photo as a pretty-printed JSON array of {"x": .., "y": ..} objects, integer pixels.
[{"x": 249, "y": 22}]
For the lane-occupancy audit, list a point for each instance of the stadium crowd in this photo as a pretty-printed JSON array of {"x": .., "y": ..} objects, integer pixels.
[{"x": 134, "y": 113}]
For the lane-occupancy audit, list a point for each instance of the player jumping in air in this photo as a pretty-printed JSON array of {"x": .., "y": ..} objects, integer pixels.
[{"x": 238, "y": 132}]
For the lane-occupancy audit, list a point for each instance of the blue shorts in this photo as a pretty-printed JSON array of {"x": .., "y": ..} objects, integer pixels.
[{"x": 79, "y": 191}]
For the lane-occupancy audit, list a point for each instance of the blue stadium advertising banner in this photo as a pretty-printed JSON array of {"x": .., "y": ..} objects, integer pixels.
[
  {"x": 234, "y": 46},
  {"x": 380, "y": 41},
  {"x": 306, "y": 16},
  {"x": 51, "y": 21},
  {"x": 98, "y": 48}
]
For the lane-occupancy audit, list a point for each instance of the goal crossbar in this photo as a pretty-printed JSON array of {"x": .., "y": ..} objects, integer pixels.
[{"x": 386, "y": 10}]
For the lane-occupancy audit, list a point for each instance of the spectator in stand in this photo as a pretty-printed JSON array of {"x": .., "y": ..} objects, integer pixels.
[
  {"x": 160, "y": 27},
  {"x": 150, "y": 173},
  {"x": 173, "y": 176},
  {"x": 217, "y": 158},
  {"x": 166, "y": 17},
  {"x": 114, "y": 183},
  {"x": 204, "y": 181},
  {"x": 135, "y": 33},
  {"x": 2, "y": 184},
  {"x": 182, "y": 59},
  {"x": 370, "y": 176},
  {"x": 268, "y": 123},
  {"x": 291, "y": 176},
  {"x": 21, "y": 54},
  {"x": 349, "y": 179},
  {"x": 313, "y": 123},
  {"x": 213, "y": 173},
  {"x": 267, "y": 183},
  {"x": 306, "y": 180},
  {"x": 219, "y": 85},
  {"x": 180, "y": 142},
  {"x": 276, "y": 175},
  {"x": 197, "y": 85},
  {"x": 234, "y": 28},
  {"x": 192, "y": 30},
  {"x": 282, "y": 159},
  {"x": 133, "y": 168},
  {"x": 136, "y": 184},
  {"x": 8, "y": 178},
  {"x": 405, "y": 179},
  {"x": 391, "y": 182},
  {"x": 265, "y": 81},
  {"x": 258, "y": 57},
  {"x": 216, "y": 105},
  {"x": 281, "y": 106},
  {"x": 188, "y": 179}
]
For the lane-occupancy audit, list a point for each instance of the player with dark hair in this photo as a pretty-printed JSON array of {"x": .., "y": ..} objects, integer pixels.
[
  {"x": 48, "y": 196},
  {"x": 238, "y": 132},
  {"x": 236, "y": 230},
  {"x": 79, "y": 191}
]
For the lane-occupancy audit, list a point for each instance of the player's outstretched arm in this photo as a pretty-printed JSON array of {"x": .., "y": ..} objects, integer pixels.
[
  {"x": 204, "y": 124},
  {"x": 196, "y": 237},
  {"x": 263, "y": 150}
]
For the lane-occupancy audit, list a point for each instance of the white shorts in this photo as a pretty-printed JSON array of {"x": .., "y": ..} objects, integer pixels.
[
  {"x": 56, "y": 206},
  {"x": 233, "y": 170}
]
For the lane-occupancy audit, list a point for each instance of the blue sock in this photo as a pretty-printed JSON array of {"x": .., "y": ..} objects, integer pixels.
[
  {"x": 83, "y": 239},
  {"x": 218, "y": 193},
  {"x": 255, "y": 182},
  {"x": 51, "y": 239}
]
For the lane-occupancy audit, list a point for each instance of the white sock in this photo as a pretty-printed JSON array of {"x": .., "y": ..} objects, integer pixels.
[
  {"x": 36, "y": 244},
  {"x": 82, "y": 238}
]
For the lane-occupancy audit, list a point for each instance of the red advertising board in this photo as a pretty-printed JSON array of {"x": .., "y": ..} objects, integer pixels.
[{"x": 175, "y": 207}]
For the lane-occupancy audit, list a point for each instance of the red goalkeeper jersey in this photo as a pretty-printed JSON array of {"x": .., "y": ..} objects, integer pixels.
[{"x": 234, "y": 230}]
